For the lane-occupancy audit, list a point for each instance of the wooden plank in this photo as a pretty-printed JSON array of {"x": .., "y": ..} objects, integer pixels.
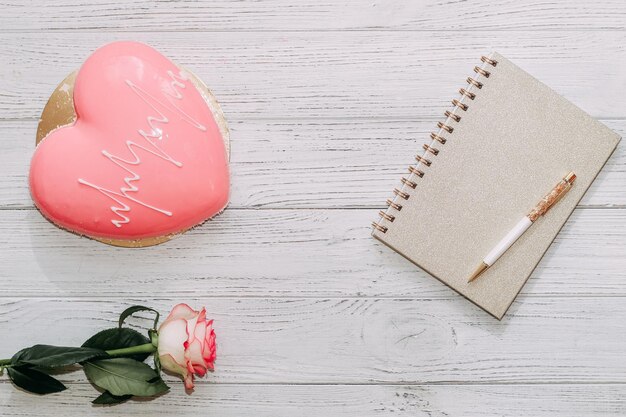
[
  {"x": 286, "y": 253},
  {"x": 603, "y": 400},
  {"x": 356, "y": 340},
  {"x": 315, "y": 317},
  {"x": 228, "y": 15},
  {"x": 308, "y": 163},
  {"x": 328, "y": 74}
]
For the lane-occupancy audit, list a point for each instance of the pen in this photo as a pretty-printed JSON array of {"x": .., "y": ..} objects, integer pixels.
[{"x": 539, "y": 210}]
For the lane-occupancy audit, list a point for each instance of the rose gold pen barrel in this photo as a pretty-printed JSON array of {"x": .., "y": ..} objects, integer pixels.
[
  {"x": 540, "y": 209},
  {"x": 552, "y": 197}
]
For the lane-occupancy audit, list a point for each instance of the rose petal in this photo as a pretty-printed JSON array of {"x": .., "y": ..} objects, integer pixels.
[
  {"x": 193, "y": 354},
  {"x": 169, "y": 364},
  {"x": 210, "y": 351},
  {"x": 200, "y": 331},
  {"x": 189, "y": 381},
  {"x": 182, "y": 311},
  {"x": 200, "y": 328},
  {"x": 172, "y": 336},
  {"x": 199, "y": 370},
  {"x": 191, "y": 328}
]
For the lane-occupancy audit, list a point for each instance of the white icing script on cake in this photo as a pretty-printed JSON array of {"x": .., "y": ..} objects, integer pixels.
[{"x": 150, "y": 147}]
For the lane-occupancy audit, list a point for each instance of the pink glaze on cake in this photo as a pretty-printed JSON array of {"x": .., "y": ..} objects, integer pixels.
[{"x": 145, "y": 157}]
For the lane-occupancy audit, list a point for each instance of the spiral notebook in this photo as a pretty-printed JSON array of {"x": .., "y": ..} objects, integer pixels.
[{"x": 504, "y": 143}]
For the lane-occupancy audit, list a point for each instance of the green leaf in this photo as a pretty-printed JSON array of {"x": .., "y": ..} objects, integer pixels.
[
  {"x": 106, "y": 398},
  {"x": 125, "y": 376},
  {"x": 34, "y": 381},
  {"x": 47, "y": 356},
  {"x": 132, "y": 310},
  {"x": 118, "y": 338},
  {"x": 15, "y": 358}
]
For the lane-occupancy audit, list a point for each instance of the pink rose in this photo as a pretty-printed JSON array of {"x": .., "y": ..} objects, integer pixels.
[{"x": 187, "y": 343}]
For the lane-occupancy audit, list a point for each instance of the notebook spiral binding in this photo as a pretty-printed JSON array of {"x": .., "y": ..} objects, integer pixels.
[{"x": 423, "y": 161}]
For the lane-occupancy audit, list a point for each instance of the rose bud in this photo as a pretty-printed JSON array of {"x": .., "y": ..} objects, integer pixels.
[{"x": 186, "y": 343}]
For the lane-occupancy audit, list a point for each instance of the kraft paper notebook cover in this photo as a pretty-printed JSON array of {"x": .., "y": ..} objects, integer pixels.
[{"x": 508, "y": 140}]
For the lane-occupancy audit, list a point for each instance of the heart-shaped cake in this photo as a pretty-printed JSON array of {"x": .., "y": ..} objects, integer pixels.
[{"x": 143, "y": 157}]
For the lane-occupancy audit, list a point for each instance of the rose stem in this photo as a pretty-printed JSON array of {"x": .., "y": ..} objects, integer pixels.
[{"x": 147, "y": 348}]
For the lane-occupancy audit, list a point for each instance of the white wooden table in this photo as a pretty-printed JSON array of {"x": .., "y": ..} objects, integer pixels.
[{"x": 327, "y": 101}]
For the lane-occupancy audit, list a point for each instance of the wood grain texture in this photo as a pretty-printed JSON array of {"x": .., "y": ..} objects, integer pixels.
[
  {"x": 331, "y": 74},
  {"x": 335, "y": 341},
  {"x": 286, "y": 253},
  {"x": 309, "y": 163},
  {"x": 277, "y": 15},
  {"x": 327, "y": 102},
  {"x": 338, "y": 401}
]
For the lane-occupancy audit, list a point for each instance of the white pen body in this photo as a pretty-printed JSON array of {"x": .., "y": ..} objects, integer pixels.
[{"x": 507, "y": 241}]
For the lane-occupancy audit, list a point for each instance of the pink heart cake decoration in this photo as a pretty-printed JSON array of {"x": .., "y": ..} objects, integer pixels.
[{"x": 144, "y": 158}]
